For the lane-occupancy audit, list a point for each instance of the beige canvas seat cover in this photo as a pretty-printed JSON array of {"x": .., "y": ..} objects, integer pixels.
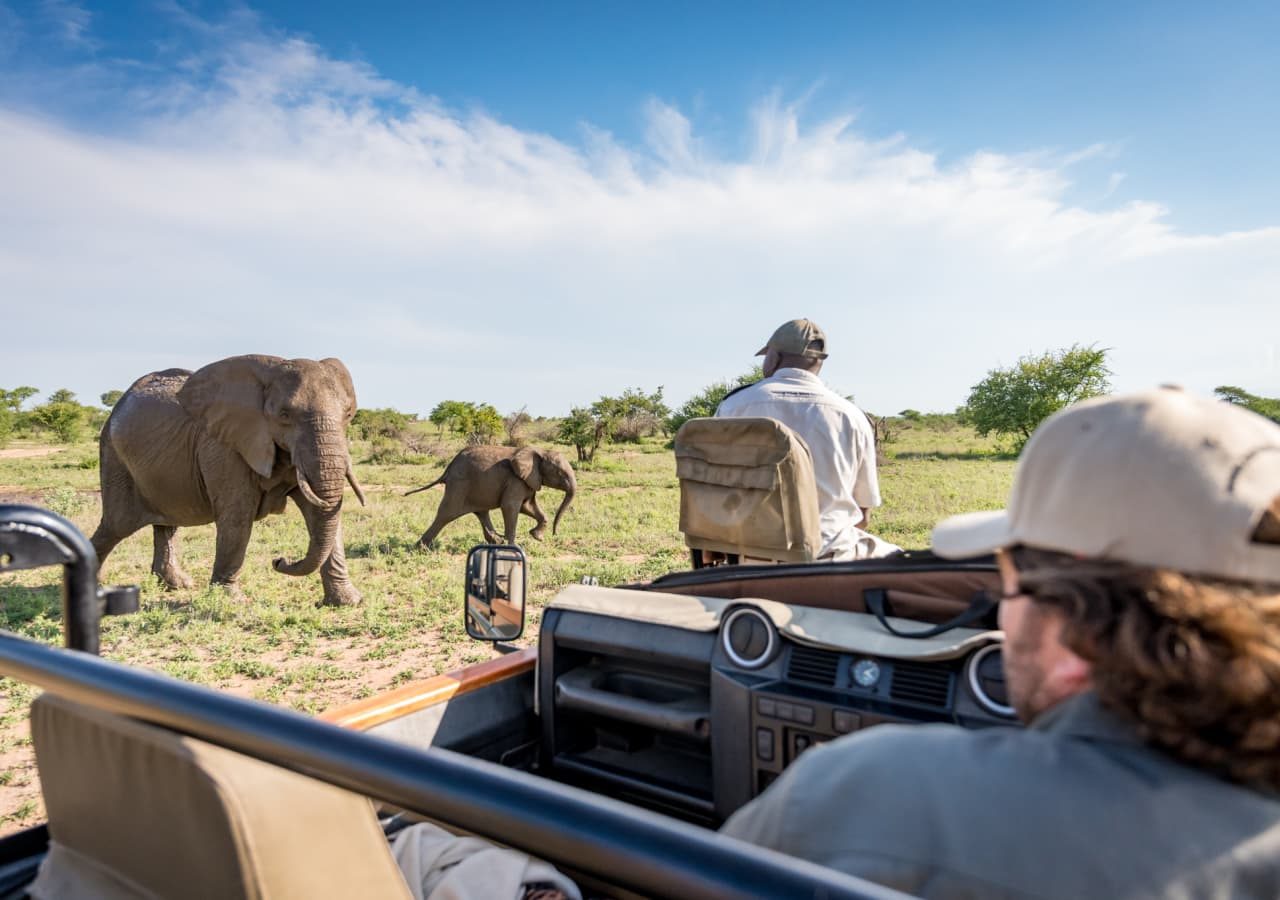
[
  {"x": 747, "y": 487},
  {"x": 138, "y": 811}
]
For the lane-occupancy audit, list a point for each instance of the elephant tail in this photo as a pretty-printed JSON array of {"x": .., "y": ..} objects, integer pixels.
[{"x": 425, "y": 487}]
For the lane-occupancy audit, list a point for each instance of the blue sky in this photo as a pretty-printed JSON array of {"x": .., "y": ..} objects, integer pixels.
[{"x": 537, "y": 204}]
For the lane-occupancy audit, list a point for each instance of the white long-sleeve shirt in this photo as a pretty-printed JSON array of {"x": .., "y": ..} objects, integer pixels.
[{"x": 839, "y": 437}]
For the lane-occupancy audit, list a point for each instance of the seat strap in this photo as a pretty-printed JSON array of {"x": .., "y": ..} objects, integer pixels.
[{"x": 877, "y": 602}]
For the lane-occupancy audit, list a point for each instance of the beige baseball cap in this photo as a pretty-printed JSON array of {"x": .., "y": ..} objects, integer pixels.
[
  {"x": 1163, "y": 479},
  {"x": 798, "y": 336}
]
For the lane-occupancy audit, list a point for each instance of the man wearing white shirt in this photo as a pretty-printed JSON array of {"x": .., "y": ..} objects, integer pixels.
[{"x": 837, "y": 432}]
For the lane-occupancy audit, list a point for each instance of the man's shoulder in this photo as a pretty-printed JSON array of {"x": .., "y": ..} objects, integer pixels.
[
  {"x": 738, "y": 390},
  {"x": 944, "y": 805}
]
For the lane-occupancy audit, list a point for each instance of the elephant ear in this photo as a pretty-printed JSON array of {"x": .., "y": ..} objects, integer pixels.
[
  {"x": 227, "y": 398},
  {"x": 525, "y": 463},
  {"x": 343, "y": 377}
]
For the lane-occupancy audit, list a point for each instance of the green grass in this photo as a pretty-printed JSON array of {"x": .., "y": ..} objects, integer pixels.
[{"x": 278, "y": 645}]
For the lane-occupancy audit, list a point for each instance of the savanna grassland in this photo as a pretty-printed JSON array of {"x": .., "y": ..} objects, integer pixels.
[{"x": 279, "y": 647}]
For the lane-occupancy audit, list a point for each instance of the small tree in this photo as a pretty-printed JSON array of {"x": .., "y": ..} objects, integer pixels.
[
  {"x": 586, "y": 429},
  {"x": 62, "y": 415},
  {"x": 479, "y": 423},
  {"x": 1014, "y": 401},
  {"x": 449, "y": 414},
  {"x": 11, "y": 415},
  {"x": 14, "y": 399},
  {"x": 884, "y": 430},
  {"x": 111, "y": 398},
  {"x": 1263, "y": 406},
  {"x": 515, "y": 425},
  {"x": 482, "y": 424},
  {"x": 704, "y": 403},
  {"x": 633, "y": 415}
]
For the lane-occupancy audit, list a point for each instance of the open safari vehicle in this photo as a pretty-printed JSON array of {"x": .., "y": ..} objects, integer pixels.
[{"x": 644, "y": 716}]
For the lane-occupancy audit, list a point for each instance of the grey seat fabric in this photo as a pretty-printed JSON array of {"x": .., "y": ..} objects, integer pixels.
[
  {"x": 747, "y": 487},
  {"x": 138, "y": 811}
]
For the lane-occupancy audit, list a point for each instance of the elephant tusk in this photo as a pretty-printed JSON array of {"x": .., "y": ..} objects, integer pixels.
[
  {"x": 355, "y": 485},
  {"x": 311, "y": 495}
]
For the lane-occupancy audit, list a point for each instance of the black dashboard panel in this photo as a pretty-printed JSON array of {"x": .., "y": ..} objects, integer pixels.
[{"x": 697, "y": 723}]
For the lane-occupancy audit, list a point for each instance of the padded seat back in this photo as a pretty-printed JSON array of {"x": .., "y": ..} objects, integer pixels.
[
  {"x": 138, "y": 811},
  {"x": 747, "y": 488}
]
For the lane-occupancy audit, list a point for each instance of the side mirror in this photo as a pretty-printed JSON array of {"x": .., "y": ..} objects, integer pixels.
[{"x": 495, "y": 592}]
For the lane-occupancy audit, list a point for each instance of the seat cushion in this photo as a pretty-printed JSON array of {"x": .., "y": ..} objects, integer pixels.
[{"x": 171, "y": 816}]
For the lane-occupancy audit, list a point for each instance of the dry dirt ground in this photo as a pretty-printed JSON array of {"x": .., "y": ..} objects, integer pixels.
[{"x": 28, "y": 452}]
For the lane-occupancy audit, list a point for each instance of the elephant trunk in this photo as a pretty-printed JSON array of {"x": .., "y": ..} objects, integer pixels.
[
  {"x": 322, "y": 475},
  {"x": 569, "y": 491}
]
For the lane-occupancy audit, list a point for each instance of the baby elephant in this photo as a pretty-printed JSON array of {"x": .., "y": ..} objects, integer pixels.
[{"x": 479, "y": 479}]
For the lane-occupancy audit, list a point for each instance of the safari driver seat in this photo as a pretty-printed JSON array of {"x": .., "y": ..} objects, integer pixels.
[
  {"x": 747, "y": 492},
  {"x": 136, "y": 811}
]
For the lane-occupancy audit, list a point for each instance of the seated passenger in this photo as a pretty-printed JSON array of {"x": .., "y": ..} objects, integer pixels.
[
  {"x": 838, "y": 434},
  {"x": 1140, "y": 560}
]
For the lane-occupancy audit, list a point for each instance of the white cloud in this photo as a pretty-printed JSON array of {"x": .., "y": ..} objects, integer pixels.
[
  {"x": 71, "y": 21},
  {"x": 272, "y": 199}
]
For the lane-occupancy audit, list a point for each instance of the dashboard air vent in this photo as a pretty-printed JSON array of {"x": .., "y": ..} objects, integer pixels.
[
  {"x": 813, "y": 665},
  {"x": 986, "y": 681},
  {"x": 927, "y": 685},
  {"x": 748, "y": 637}
]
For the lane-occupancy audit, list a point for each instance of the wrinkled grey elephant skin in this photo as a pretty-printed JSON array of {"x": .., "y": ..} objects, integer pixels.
[
  {"x": 480, "y": 479},
  {"x": 229, "y": 444}
]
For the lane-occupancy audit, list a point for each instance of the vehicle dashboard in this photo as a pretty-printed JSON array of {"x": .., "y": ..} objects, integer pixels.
[{"x": 692, "y": 705}]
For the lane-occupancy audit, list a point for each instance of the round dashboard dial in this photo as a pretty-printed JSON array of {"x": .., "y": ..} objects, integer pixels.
[{"x": 866, "y": 672}]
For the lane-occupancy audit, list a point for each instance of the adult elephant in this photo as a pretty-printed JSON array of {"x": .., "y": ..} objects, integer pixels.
[
  {"x": 229, "y": 444},
  {"x": 479, "y": 479}
]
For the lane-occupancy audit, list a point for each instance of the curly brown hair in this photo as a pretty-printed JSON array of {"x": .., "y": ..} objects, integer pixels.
[{"x": 1194, "y": 663}]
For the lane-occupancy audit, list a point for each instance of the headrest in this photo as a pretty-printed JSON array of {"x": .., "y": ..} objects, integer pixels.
[{"x": 747, "y": 487}]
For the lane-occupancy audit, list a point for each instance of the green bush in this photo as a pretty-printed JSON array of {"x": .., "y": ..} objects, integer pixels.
[
  {"x": 634, "y": 414},
  {"x": 478, "y": 423},
  {"x": 65, "y": 501},
  {"x": 705, "y": 402},
  {"x": 384, "y": 451},
  {"x": 66, "y": 420},
  {"x": 368, "y": 424},
  {"x": 1014, "y": 401}
]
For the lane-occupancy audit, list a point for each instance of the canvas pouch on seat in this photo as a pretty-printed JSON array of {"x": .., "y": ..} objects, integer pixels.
[
  {"x": 137, "y": 811},
  {"x": 747, "y": 487}
]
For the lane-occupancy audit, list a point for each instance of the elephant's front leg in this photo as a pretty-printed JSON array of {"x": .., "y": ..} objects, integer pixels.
[
  {"x": 164, "y": 559},
  {"x": 338, "y": 589},
  {"x": 513, "y": 499},
  {"x": 530, "y": 508},
  {"x": 234, "y": 529}
]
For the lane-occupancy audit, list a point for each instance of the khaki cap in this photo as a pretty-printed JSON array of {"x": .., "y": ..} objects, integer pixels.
[
  {"x": 1161, "y": 479},
  {"x": 796, "y": 337}
]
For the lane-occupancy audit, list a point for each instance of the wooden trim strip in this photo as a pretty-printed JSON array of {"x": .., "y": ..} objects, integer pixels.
[{"x": 364, "y": 714}]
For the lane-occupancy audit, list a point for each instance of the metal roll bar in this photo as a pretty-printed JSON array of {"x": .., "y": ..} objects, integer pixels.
[
  {"x": 31, "y": 537},
  {"x": 620, "y": 844}
]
